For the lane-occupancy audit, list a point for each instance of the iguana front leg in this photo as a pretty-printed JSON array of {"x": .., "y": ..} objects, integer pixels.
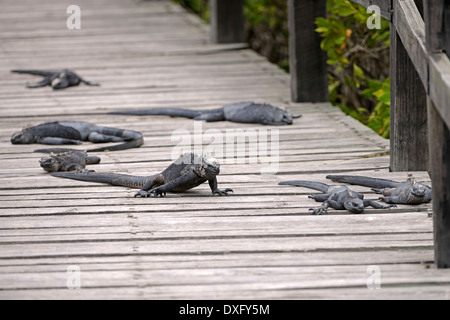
[
  {"x": 56, "y": 141},
  {"x": 321, "y": 210},
  {"x": 215, "y": 190},
  {"x": 376, "y": 205}
]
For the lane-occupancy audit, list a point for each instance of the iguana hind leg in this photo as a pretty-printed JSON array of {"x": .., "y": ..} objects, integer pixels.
[
  {"x": 319, "y": 197},
  {"x": 44, "y": 82},
  {"x": 211, "y": 117},
  {"x": 96, "y": 137},
  {"x": 173, "y": 185},
  {"x": 376, "y": 205},
  {"x": 150, "y": 185}
]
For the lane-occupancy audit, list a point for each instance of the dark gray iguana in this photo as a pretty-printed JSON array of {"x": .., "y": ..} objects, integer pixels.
[
  {"x": 341, "y": 198},
  {"x": 74, "y": 132},
  {"x": 68, "y": 161},
  {"x": 243, "y": 112},
  {"x": 56, "y": 79},
  {"x": 409, "y": 192},
  {"x": 187, "y": 172}
]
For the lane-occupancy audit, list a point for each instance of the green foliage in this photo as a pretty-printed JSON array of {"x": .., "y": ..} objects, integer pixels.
[
  {"x": 267, "y": 29},
  {"x": 201, "y": 7},
  {"x": 358, "y": 60}
]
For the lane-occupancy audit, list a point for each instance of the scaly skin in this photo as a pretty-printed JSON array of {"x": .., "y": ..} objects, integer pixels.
[
  {"x": 69, "y": 161},
  {"x": 56, "y": 79},
  {"x": 341, "y": 198},
  {"x": 409, "y": 192},
  {"x": 74, "y": 132},
  {"x": 243, "y": 112},
  {"x": 188, "y": 172}
]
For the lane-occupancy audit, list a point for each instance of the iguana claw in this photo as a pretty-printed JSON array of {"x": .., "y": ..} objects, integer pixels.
[
  {"x": 222, "y": 192},
  {"x": 147, "y": 194},
  {"x": 158, "y": 193},
  {"x": 318, "y": 212},
  {"x": 142, "y": 194}
]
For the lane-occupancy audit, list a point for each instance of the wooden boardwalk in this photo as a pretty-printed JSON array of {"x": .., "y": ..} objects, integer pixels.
[{"x": 259, "y": 243}]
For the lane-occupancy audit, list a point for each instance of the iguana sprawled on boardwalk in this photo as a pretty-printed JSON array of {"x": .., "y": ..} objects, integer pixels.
[
  {"x": 74, "y": 132},
  {"x": 408, "y": 192},
  {"x": 187, "y": 172},
  {"x": 341, "y": 198},
  {"x": 56, "y": 79},
  {"x": 68, "y": 161},
  {"x": 243, "y": 112}
]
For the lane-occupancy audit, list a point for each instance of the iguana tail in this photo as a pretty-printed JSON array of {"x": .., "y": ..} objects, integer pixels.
[
  {"x": 364, "y": 181},
  {"x": 323, "y": 187},
  {"x": 123, "y": 146},
  {"x": 34, "y": 72},
  {"x": 173, "y": 112},
  {"x": 123, "y": 180},
  {"x": 55, "y": 150}
]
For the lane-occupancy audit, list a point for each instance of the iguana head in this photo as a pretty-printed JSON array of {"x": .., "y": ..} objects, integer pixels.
[
  {"x": 272, "y": 114},
  {"x": 205, "y": 165},
  {"x": 419, "y": 190},
  {"x": 211, "y": 165},
  {"x": 23, "y": 137},
  {"x": 354, "y": 204},
  {"x": 50, "y": 164}
]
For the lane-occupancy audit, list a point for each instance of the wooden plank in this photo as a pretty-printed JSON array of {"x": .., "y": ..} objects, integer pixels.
[
  {"x": 227, "y": 21},
  {"x": 309, "y": 77},
  {"x": 384, "y": 5}
]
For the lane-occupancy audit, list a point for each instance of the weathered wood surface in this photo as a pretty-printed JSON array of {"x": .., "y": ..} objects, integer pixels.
[
  {"x": 409, "y": 120},
  {"x": 437, "y": 38},
  {"x": 259, "y": 243},
  {"x": 409, "y": 84}
]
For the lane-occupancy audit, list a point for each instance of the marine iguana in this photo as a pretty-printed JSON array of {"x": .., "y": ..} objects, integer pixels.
[
  {"x": 74, "y": 132},
  {"x": 69, "y": 161},
  {"x": 56, "y": 79},
  {"x": 409, "y": 192},
  {"x": 242, "y": 112},
  {"x": 341, "y": 198},
  {"x": 187, "y": 172}
]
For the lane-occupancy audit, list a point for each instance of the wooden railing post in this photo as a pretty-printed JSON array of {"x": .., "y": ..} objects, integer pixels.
[
  {"x": 409, "y": 132},
  {"x": 309, "y": 80},
  {"x": 437, "y": 38},
  {"x": 227, "y": 21}
]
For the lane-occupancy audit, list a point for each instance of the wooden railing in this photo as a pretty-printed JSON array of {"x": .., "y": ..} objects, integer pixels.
[{"x": 420, "y": 84}]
